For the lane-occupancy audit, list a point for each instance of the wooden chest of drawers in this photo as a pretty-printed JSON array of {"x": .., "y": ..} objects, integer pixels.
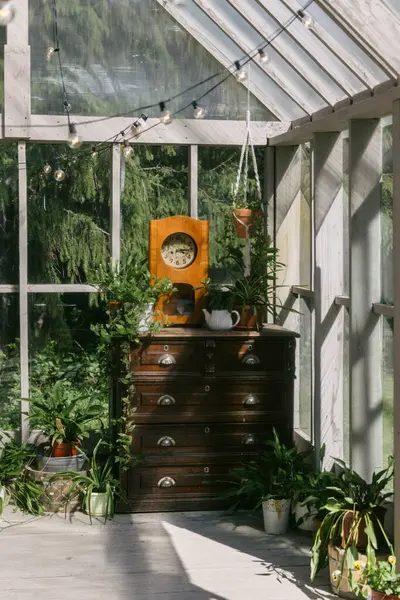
[{"x": 205, "y": 401}]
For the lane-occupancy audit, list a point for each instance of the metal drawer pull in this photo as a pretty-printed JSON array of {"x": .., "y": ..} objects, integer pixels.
[
  {"x": 166, "y": 359},
  {"x": 251, "y": 359},
  {"x": 250, "y": 400},
  {"x": 166, "y": 441},
  {"x": 210, "y": 368},
  {"x": 249, "y": 438},
  {"x": 210, "y": 344},
  {"x": 207, "y": 388},
  {"x": 166, "y": 482},
  {"x": 166, "y": 400}
]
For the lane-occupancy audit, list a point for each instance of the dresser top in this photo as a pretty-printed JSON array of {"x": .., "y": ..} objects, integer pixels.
[{"x": 267, "y": 330}]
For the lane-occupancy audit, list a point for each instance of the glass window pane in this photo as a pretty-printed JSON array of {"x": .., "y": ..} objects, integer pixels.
[
  {"x": 63, "y": 347},
  {"x": 387, "y": 387},
  {"x": 119, "y": 55},
  {"x": 154, "y": 185},
  {"x": 9, "y": 256},
  {"x": 387, "y": 215},
  {"x": 68, "y": 221},
  {"x": 305, "y": 367},
  {"x": 10, "y": 390}
]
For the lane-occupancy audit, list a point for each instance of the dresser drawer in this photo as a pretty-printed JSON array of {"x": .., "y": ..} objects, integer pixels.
[
  {"x": 173, "y": 440},
  {"x": 210, "y": 401},
  {"x": 169, "y": 357},
  {"x": 249, "y": 356}
]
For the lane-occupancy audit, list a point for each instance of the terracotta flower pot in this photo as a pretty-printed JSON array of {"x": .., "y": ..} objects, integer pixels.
[
  {"x": 74, "y": 449},
  {"x": 61, "y": 450},
  {"x": 243, "y": 220},
  {"x": 249, "y": 320},
  {"x": 362, "y": 541},
  {"x": 381, "y": 596}
]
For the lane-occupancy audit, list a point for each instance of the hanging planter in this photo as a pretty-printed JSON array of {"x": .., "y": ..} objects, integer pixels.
[{"x": 243, "y": 219}]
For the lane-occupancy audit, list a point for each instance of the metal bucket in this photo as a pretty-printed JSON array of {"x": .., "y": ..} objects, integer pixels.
[{"x": 276, "y": 516}]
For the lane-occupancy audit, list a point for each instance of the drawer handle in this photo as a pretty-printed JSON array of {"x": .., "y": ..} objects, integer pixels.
[
  {"x": 207, "y": 388},
  {"x": 166, "y": 359},
  {"x": 210, "y": 344},
  {"x": 166, "y": 400},
  {"x": 166, "y": 482},
  {"x": 251, "y": 359},
  {"x": 250, "y": 400},
  {"x": 166, "y": 441},
  {"x": 210, "y": 368},
  {"x": 249, "y": 438}
]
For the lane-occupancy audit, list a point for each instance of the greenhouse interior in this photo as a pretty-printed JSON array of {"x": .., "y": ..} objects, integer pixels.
[{"x": 200, "y": 296}]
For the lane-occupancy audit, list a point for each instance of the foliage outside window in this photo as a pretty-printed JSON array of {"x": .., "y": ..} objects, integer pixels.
[{"x": 10, "y": 413}]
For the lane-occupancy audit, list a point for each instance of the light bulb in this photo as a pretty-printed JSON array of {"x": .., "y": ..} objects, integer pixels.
[
  {"x": 67, "y": 107},
  {"x": 166, "y": 116},
  {"x": 264, "y": 58},
  {"x": 59, "y": 174},
  {"x": 94, "y": 152},
  {"x": 50, "y": 52},
  {"x": 7, "y": 12},
  {"x": 240, "y": 74},
  {"x": 74, "y": 140},
  {"x": 47, "y": 169},
  {"x": 137, "y": 128},
  {"x": 199, "y": 111},
  {"x": 128, "y": 150}
]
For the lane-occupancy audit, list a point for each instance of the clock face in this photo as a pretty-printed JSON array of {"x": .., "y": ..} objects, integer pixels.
[{"x": 179, "y": 250}]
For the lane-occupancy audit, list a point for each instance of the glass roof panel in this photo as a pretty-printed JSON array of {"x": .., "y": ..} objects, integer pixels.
[{"x": 118, "y": 55}]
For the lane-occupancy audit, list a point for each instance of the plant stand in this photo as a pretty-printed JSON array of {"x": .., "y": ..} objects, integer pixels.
[
  {"x": 55, "y": 493},
  {"x": 336, "y": 556}
]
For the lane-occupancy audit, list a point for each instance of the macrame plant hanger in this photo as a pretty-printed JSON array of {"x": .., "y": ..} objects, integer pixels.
[{"x": 243, "y": 171}]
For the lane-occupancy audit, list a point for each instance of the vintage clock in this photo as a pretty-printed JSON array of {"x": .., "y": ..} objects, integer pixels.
[{"x": 178, "y": 249}]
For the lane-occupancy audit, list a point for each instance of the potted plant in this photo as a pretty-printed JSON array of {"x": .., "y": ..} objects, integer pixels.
[
  {"x": 382, "y": 579},
  {"x": 247, "y": 211},
  {"x": 353, "y": 523},
  {"x": 15, "y": 486},
  {"x": 98, "y": 487},
  {"x": 66, "y": 415},
  {"x": 270, "y": 482}
]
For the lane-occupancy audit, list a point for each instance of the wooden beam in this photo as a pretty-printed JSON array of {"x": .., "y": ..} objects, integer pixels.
[
  {"x": 386, "y": 310},
  {"x": 365, "y": 169},
  {"x": 288, "y": 242},
  {"x": 60, "y": 288},
  {"x": 328, "y": 283},
  {"x": 23, "y": 288},
  {"x": 193, "y": 181},
  {"x": 115, "y": 208},
  {"x": 207, "y": 132},
  {"x": 396, "y": 285}
]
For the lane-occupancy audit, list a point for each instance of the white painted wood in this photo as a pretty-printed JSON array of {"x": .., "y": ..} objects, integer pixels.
[
  {"x": 269, "y": 192},
  {"x": 374, "y": 27},
  {"x": 328, "y": 283},
  {"x": 23, "y": 287},
  {"x": 54, "y": 128},
  {"x": 60, "y": 288},
  {"x": 377, "y": 106},
  {"x": 226, "y": 52},
  {"x": 8, "y": 288},
  {"x": 193, "y": 181},
  {"x": 342, "y": 301},
  {"x": 320, "y": 66},
  {"x": 387, "y": 310},
  {"x": 396, "y": 285},
  {"x": 299, "y": 290},
  {"x": 360, "y": 69},
  {"x": 288, "y": 241},
  {"x": 115, "y": 217},
  {"x": 365, "y": 169},
  {"x": 298, "y": 89}
]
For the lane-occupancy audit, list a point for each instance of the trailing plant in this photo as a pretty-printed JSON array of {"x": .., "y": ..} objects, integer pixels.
[
  {"x": 24, "y": 494},
  {"x": 65, "y": 413},
  {"x": 355, "y": 505},
  {"x": 274, "y": 475},
  {"x": 378, "y": 576}
]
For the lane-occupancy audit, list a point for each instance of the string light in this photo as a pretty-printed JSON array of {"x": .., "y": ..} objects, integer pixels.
[
  {"x": 263, "y": 57},
  {"x": 47, "y": 169},
  {"x": 199, "y": 111},
  {"x": 7, "y": 12},
  {"x": 240, "y": 75},
  {"x": 74, "y": 140},
  {"x": 67, "y": 106},
  {"x": 94, "y": 152},
  {"x": 128, "y": 150},
  {"x": 138, "y": 126},
  {"x": 59, "y": 174},
  {"x": 307, "y": 19},
  {"x": 165, "y": 117},
  {"x": 50, "y": 51}
]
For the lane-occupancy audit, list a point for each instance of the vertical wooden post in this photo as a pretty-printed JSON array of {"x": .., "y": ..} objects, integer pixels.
[
  {"x": 23, "y": 288},
  {"x": 328, "y": 283},
  {"x": 396, "y": 284},
  {"x": 116, "y": 204},
  {"x": 288, "y": 241},
  {"x": 193, "y": 181},
  {"x": 365, "y": 169}
]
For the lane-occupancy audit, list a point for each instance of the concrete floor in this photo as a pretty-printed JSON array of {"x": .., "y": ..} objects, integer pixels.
[{"x": 168, "y": 556}]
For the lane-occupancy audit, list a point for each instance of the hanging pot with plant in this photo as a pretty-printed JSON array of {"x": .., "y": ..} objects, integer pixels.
[{"x": 243, "y": 219}]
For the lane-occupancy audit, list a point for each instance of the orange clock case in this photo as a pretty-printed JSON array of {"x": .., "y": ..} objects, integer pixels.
[{"x": 193, "y": 275}]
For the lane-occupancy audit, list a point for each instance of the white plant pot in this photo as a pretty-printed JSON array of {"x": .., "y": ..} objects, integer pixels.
[
  {"x": 276, "y": 516},
  {"x": 310, "y": 523},
  {"x": 3, "y": 498},
  {"x": 98, "y": 505},
  {"x": 147, "y": 317}
]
